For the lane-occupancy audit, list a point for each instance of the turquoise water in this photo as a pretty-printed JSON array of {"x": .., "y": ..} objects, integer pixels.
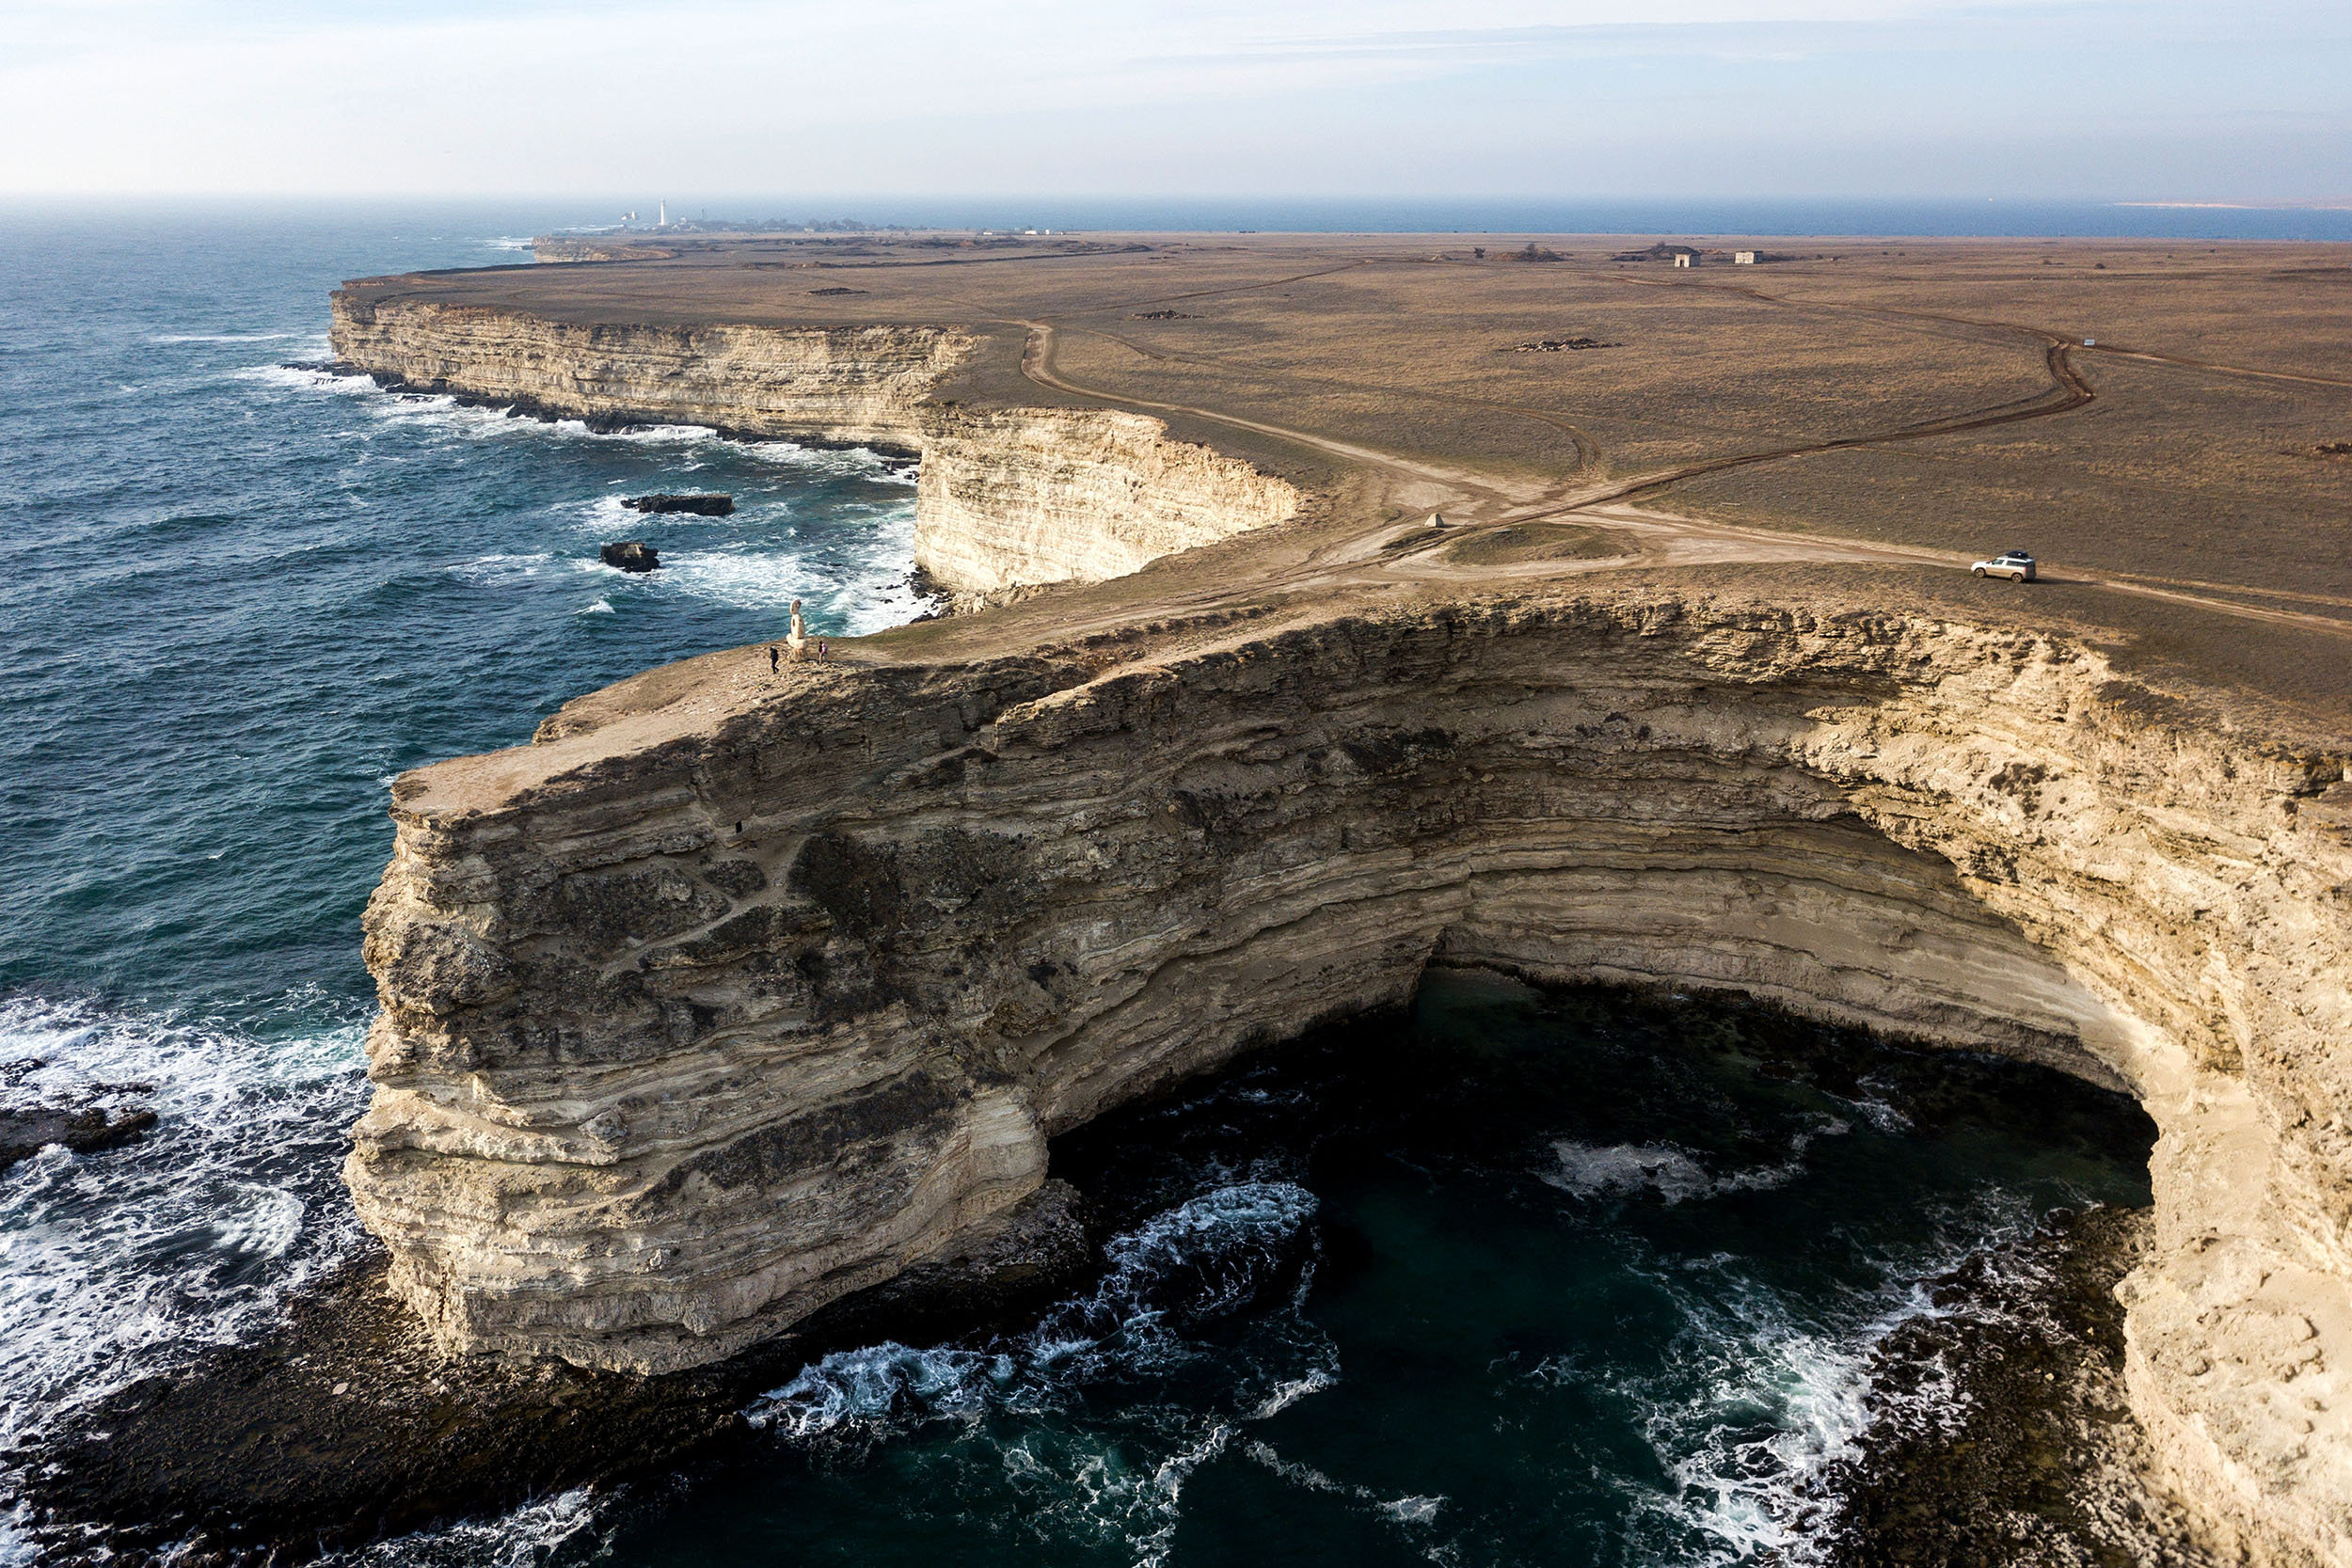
[{"x": 1511, "y": 1281}]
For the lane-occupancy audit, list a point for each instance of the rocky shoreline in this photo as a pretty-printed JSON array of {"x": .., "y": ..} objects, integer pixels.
[
  {"x": 2029, "y": 1457},
  {"x": 347, "y": 1424}
]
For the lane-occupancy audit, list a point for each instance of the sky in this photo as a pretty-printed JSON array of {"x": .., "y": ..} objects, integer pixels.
[{"x": 2224, "y": 100}]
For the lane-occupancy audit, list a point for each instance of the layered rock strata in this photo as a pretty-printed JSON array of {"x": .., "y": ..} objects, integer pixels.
[
  {"x": 1007, "y": 498},
  {"x": 704, "y": 1010}
]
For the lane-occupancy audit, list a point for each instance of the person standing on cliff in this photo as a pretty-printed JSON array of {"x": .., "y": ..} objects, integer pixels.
[{"x": 774, "y": 664}]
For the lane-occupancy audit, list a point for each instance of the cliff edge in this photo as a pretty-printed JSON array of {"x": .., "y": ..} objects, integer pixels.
[{"x": 734, "y": 992}]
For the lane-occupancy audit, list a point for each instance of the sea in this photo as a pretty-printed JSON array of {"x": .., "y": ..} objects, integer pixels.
[{"x": 1608, "y": 1293}]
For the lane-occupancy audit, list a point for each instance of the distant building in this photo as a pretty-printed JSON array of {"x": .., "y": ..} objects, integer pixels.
[
  {"x": 1686, "y": 257},
  {"x": 1743, "y": 258}
]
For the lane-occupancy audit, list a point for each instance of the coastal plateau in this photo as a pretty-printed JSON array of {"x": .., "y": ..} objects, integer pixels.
[{"x": 734, "y": 994}]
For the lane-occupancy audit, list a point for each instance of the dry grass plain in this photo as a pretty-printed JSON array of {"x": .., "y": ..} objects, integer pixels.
[{"x": 1881, "y": 411}]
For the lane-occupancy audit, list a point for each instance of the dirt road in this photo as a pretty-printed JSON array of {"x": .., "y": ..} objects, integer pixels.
[{"x": 1476, "y": 503}]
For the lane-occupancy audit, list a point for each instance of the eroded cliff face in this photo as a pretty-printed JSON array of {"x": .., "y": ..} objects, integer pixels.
[
  {"x": 1016, "y": 496},
  {"x": 860, "y": 384},
  {"x": 1007, "y": 498},
  {"x": 697, "y": 1015}
]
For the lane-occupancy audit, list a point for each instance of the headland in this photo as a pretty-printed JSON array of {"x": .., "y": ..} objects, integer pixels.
[{"x": 1342, "y": 607}]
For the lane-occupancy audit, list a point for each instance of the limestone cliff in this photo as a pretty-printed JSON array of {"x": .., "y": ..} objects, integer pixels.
[
  {"x": 1008, "y": 497},
  {"x": 860, "y": 385},
  {"x": 1018, "y": 496},
  {"x": 718, "y": 1002}
]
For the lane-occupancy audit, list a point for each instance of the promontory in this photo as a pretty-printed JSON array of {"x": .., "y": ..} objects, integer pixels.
[{"x": 1331, "y": 607}]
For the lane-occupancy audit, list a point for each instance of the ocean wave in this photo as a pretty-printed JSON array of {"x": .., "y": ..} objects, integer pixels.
[
  {"x": 1199, "y": 1261},
  {"x": 1203, "y": 1259},
  {"x": 868, "y": 591},
  {"x": 528, "y": 1537},
  {"x": 227, "y": 337},
  {"x": 306, "y": 378},
  {"x": 1762, "y": 1405},
  {"x": 491, "y": 571},
  {"x": 445, "y": 415},
  {"x": 1673, "y": 1174},
  {"x": 509, "y": 242},
  {"x": 117, "y": 1265}
]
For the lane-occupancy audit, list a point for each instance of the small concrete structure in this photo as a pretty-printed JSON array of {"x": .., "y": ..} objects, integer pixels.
[
  {"x": 1743, "y": 258},
  {"x": 1686, "y": 257}
]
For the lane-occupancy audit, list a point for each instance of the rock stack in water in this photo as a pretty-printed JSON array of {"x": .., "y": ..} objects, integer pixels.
[
  {"x": 704, "y": 506},
  {"x": 631, "y": 555}
]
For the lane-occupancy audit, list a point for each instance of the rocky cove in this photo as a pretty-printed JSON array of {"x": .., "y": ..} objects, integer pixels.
[
  {"x": 698, "y": 1015},
  {"x": 726, "y": 999}
]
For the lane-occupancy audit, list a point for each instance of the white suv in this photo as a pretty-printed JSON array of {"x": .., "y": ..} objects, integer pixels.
[{"x": 2016, "y": 565}]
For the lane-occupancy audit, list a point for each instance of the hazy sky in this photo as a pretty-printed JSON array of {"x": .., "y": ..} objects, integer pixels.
[{"x": 2227, "y": 99}]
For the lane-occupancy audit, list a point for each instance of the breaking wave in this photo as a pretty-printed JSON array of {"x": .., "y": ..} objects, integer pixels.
[
  {"x": 1208, "y": 1258},
  {"x": 1138, "y": 1333},
  {"x": 1764, "y": 1401},
  {"x": 115, "y": 1265},
  {"x": 225, "y": 337},
  {"x": 1673, "y": 1175},
  {"x": 446, "y": 415}
]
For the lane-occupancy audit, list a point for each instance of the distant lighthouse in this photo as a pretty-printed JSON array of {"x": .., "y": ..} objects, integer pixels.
[{"x": 661, "y": 219}]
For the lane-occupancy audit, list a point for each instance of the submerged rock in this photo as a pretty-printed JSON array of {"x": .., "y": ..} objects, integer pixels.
[
  {"x": 631, "y": 555},
  {"x": 706, "y": 506},
  {"x": 25, "y": 1131},
  {"x": 347, "y": 1423}
]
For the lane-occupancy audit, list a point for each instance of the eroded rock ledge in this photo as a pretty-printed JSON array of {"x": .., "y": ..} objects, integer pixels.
[
  {"x": 1007, "y": 498},
  {"x": 703, "y": 1011}
]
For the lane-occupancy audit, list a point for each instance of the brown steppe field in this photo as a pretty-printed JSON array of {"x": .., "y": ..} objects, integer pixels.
[{"x": 2167, "y": 425}]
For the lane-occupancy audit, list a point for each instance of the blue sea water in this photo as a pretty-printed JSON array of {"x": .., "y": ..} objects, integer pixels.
[
  {"x": 242, "y": 597},
  {"x": 1610, "y": 1297}
]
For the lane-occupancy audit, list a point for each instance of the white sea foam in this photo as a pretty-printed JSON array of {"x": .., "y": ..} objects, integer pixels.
[
  {"x": 115, "y": 1264},
  {"x": 1409, "y": 1510},
  {"x": 1592, "y": 1171},
  {"x": 1762, "y": 1406},
  {"x": 445, "y": 415},
  {"x": 1288, "y": 1394},
  {"x": 1200, "y": 1260},
  {"x": 490, "y": 571},
  {"x": 120, "y": 1264},
  {"x": 226, "y": 337},
  {"x": 868, "y": 595},
  {"x": 689, "y": 447},
  {"x": 1674, "y": 1175},
  {"x": 306, "y": 378},
  {"x": 528, "y": 1537}
]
